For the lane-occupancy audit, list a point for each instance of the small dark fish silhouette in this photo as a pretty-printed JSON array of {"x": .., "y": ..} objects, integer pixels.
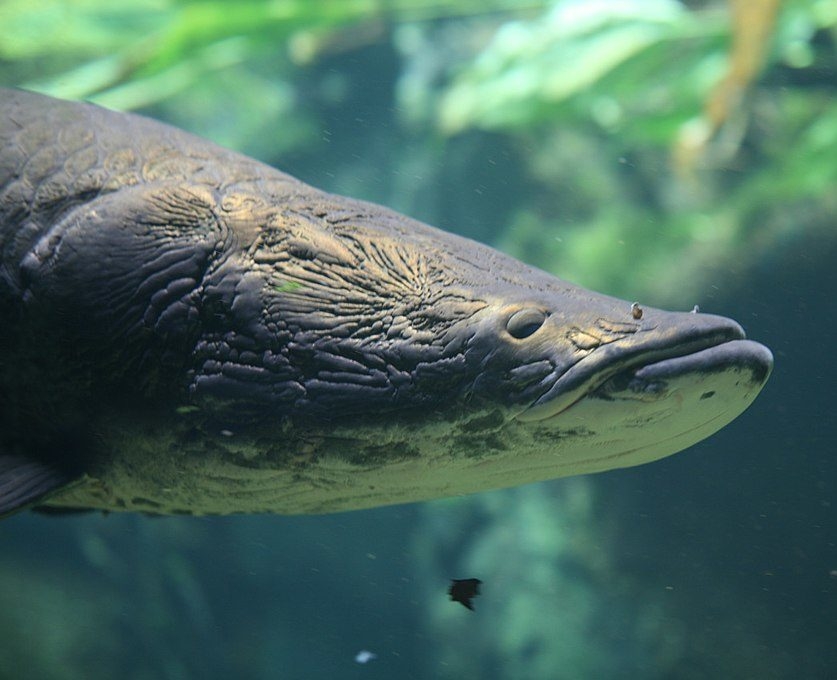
[{"x": 463, "y": 590}]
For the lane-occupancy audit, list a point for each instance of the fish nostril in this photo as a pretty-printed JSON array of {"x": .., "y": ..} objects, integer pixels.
[{"x": 525, "y": 322}]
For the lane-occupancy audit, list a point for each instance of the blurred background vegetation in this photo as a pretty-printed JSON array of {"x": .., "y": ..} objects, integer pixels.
[
  {"x": 577, "y": 135},
  {"x": 675, "y": 152}
]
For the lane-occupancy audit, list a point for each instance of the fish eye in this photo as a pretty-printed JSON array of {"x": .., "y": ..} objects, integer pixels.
[{"x": 525, "y": 322}]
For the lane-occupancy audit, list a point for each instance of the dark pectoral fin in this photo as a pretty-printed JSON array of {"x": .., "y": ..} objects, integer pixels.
[{"x": 24, "y": 482}]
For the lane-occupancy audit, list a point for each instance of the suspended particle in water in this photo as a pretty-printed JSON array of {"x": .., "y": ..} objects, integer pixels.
[
  {"x": 365, "y": 656},
  {"x": 463, "y": 590}
]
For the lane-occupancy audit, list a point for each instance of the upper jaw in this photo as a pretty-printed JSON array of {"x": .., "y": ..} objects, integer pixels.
[{"x": 668, "y": 336}]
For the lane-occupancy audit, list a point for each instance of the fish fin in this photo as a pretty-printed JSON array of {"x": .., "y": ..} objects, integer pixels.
[{"x": 24, "y": 482}]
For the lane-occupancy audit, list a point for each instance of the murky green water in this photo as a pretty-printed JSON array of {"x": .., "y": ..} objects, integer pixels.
[{"x": 718, "y": 562}]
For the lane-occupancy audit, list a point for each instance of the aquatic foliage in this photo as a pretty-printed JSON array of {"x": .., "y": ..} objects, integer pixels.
[{"x": 604, "y": 95}]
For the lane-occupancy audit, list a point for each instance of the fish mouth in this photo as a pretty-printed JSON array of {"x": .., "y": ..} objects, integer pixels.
[{"x": 642, "y": 365}]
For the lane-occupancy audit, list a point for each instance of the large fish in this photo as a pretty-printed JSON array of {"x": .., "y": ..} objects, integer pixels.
[{"x": 186, "y": 330}]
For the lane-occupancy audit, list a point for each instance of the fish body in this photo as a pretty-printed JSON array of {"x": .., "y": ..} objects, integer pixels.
[{"x": 187, "y": 330}]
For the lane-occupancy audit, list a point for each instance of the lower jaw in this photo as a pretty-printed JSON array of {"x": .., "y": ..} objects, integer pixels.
[{"x": 650, "y": 380}]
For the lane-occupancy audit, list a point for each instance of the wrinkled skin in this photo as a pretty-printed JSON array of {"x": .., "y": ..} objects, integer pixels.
[{"x": 188, "y": 330}]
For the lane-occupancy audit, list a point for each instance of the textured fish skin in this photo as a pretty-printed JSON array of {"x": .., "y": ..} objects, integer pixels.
[{"x": 187, "y": 330}]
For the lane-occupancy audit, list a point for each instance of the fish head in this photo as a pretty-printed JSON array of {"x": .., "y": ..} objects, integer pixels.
[
  {"x": 384, "y": 342},
  {"x": 595, "y": 383}
]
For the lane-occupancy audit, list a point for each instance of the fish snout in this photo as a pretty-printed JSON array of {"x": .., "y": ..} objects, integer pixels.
[{"x": 587, "y": 354}]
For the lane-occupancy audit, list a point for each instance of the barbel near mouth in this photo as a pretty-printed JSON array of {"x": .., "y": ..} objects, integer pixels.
[{"x": 608, "y": 361}]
